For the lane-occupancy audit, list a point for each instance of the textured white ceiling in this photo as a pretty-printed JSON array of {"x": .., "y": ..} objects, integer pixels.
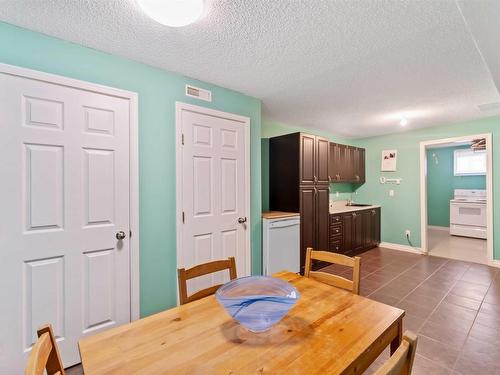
[{"x": 348, "y": 67}]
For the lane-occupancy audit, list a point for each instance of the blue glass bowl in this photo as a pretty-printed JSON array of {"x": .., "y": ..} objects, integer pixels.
[{"x": 257, "y": 302}]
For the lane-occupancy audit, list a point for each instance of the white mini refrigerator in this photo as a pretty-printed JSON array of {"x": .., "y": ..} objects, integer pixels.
[{"x": 281, "y": 242}]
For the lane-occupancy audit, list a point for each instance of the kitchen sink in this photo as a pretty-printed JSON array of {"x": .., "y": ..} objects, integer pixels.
[{"x": 357, "y": 205}]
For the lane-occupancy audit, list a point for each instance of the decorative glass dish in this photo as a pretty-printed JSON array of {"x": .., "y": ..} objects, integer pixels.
[{"x": 257, "y": 302}]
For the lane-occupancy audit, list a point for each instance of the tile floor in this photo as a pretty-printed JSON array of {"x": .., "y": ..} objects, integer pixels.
[
  {"x": 453, "y": 306},
  {"x": 441, "y": 244}
]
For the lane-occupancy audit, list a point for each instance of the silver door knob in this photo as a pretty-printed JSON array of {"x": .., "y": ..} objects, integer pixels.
[
  {"x": 242, "y": 220},
  {"x": 120, "y": 235}
]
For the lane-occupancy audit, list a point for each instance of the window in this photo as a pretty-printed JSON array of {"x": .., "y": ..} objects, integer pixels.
[{"x": 469, "y": 162}]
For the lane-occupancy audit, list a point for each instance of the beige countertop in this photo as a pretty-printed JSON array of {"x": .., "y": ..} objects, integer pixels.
[
  {"x": 278, "y": 214},
  {"x": 340, "y": 207}
]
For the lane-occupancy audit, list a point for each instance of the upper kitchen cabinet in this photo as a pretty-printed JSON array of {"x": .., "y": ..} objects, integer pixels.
[
  {"x": 347, "y": 164},
  {"x": 314, "y": 159},
  {"x": 322, "y": 161}
]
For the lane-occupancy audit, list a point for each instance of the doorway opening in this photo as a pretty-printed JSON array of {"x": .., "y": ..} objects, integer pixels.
[{"x": 456, "y": 188}]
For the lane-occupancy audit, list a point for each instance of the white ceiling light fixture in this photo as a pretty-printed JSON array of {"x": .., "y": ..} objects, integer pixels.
[{"x": 173, "y": 13}]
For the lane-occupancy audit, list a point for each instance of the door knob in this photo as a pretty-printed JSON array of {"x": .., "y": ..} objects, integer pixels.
[
  {"x": 120, "y": 235},
  {"x": 242, "y": 220}
]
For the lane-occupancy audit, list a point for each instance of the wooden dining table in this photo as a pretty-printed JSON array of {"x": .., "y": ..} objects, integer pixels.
[{"x": 328, "y": 331}]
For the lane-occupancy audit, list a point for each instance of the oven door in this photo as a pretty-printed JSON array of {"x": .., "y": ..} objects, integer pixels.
[{"x": 468, "y": 213}]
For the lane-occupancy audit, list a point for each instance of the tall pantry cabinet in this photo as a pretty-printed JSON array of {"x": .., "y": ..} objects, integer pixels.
[{"x": 299, "y": 182}]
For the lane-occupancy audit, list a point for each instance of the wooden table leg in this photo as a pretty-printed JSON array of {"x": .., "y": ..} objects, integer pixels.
[{"x": 397, "y": 340}]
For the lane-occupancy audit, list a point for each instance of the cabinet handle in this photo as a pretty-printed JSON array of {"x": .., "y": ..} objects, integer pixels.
[
  {"x": 357, "y": 178},
  {"x": 329, "y": 179},
  {"x": 315, "y": 179},
  {"x": 373, "y": 212},
  {"x": 354, "y": 215}
]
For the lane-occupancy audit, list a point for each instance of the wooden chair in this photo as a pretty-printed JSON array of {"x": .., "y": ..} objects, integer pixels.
[
  {"x": 328, "y": 278},
  {"x": 201, "y": 270},
  {"x": 45, "y": 355},
  {"x": 401, "y": 362}
]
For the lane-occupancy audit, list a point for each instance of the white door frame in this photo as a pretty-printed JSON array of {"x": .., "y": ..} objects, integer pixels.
[
  {"x": 245, "y": 121},
  {"x": 132, "y": 97},
  {"x": 489, "y": 189}
]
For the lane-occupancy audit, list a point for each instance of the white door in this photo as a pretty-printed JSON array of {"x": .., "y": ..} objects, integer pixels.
[
  {"x": 64, "y": 193},
  {"x": 214, "y": 190}
]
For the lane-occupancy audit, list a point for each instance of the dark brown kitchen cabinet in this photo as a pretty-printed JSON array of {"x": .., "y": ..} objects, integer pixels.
[
  {"x": 322, "y": 217},
  {"x": 354, "y": 232},
  {"x": 347, "y": 163},
  {"x": 359, "y": 165},
  {"x": 314, "y": 159},
  {"x": 307, "y": 219},
  {"x": 299, "y": 182},
  {"x": 307, "y": 159},
  {"x": 322, "y": 160}
]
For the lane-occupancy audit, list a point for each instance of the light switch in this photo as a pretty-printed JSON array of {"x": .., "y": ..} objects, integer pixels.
[{"x": 391, "y": 193}]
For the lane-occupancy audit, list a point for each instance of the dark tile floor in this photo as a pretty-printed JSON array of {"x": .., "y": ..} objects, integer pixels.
[{"x": 453, "y": 306}]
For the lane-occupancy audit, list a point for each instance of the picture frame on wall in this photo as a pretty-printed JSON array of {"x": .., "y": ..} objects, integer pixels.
[{"x": 389, "y": 160}]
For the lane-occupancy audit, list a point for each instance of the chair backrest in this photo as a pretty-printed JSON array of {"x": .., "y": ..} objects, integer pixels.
[
  {"x": 203, "y": 269},
  {"x": 331, "y": 279},
  {"x": 401, "y": 362},
  {"x": 45, "y": 355}
]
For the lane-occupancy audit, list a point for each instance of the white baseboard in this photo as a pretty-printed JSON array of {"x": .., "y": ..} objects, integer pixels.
[
  {"x": 396, "y": 246},
  {"x": 435, "y": 227},
  {"x": 495, "y": 263}
]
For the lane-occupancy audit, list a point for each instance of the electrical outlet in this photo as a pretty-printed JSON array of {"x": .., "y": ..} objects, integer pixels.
[
  {"x": 408, "y": 233},
  {"x": 337, "y": 194},
  {"x": 391, "y": 193}
]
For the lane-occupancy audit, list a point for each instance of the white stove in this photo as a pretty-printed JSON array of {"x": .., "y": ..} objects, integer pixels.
[{"x": 468, "y": 213}]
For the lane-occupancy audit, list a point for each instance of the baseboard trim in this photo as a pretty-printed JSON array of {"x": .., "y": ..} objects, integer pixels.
[
  {"x": 495, "y": 263},
  {"x": 396, "y": 246},
  {"x": 435, "y": 227}
]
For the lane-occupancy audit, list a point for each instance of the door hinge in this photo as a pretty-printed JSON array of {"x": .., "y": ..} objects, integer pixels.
[
  {"x": 182, "y": 139},
  {"x": 183, "y": 217},
  {"x": 129, "y": 233}
]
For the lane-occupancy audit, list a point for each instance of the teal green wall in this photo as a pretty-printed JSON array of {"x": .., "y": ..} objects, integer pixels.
[
  {"x": 441, "y": 183},
  {"x": 403, "y": 210},
  {"x": 272, "y": 129},
  {"x": 158, "y": 91}
]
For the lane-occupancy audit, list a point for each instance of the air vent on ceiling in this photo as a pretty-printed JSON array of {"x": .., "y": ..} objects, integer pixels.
[
  {"x": 196, "y": 92},
  {"x": 489, "y": 107}
]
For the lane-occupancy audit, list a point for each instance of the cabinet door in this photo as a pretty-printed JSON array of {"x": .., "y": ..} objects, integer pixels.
[
  {"x": 357, "y": 233},
  {"x": 322, "y": 218},
  {"x": 307, "y": 221},
  {"x": 350, "y": 161},
  {"x": 375, "y": 224},
  {"x": 334, "y": 162},
  {"x": 367, "y": 228},
  {"x": 359, "y": 165},
  {"x": 342, "y": 163},
  {"x": 307, "y": 158},
  {"x": 347, "y": 234},
  {"x": 322, "y": 160}
]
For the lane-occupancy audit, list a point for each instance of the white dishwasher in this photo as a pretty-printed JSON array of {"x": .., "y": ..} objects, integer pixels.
[{"x": 280, "y": 242}]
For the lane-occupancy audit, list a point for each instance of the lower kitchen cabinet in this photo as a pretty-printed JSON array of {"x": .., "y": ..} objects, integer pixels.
[
  {"x": 314, "y": 223},
  {"x": 354, "y": 232}
]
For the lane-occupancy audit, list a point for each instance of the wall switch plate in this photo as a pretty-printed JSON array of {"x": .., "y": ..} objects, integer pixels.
[
  {"x": 391, "y": 193},
  {"x": 337, "y": 194}
]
